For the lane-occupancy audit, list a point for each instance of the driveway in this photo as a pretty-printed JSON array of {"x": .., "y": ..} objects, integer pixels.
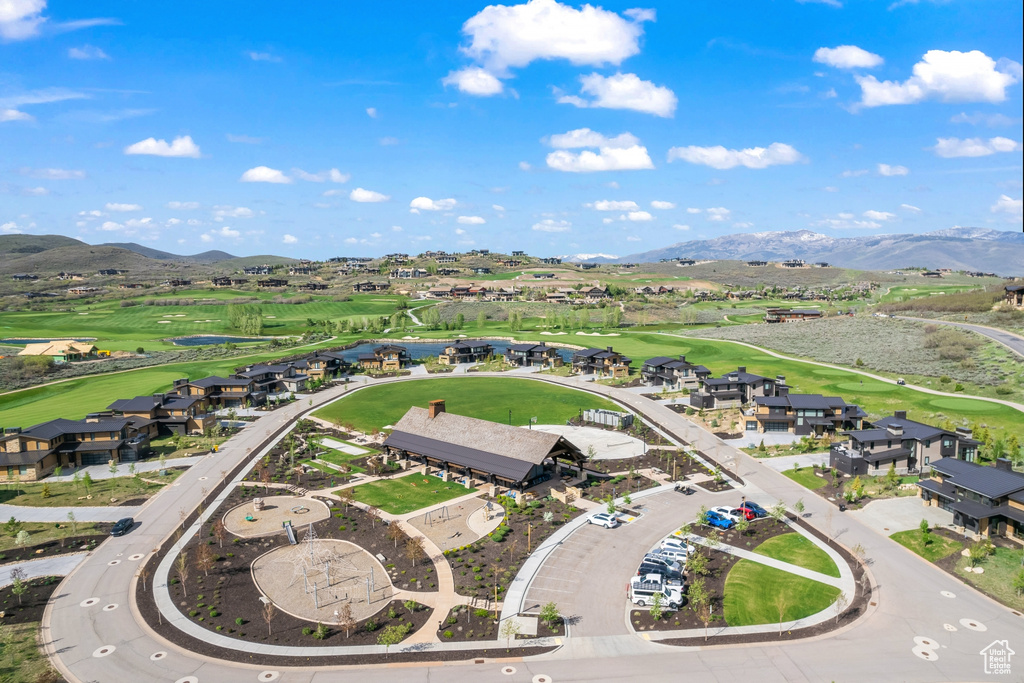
[
  {"x": 785, "y": 462},
  {"x": 1012, "y": 341},
  {"x": 899, "y": 514}
]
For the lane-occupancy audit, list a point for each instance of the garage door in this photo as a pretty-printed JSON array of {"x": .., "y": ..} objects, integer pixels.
[
  {"x": 95, "y": 459},
  {"x": 776, "y": 426}
]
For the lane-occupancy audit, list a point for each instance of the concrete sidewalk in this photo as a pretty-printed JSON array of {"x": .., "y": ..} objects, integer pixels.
[{"x": 60, "y": 565}]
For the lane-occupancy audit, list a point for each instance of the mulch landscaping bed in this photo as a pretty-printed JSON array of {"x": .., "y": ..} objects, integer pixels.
[
  {"x": 599, "y": 487},
  {"x": 230, "y": 593},
  {"x": 715, "y": 486},
  {"x": 662, "y": 459},
  {"x": 465, "y": 623},
  {"x": 719, "y": 564},
  {"x": 71, "y": 544},
  {"x": 504, "y": 549},
  {"x": 759, "y": 531},
  {"x": 30, "y": 607},
  {"x": 687, "y": 467}
]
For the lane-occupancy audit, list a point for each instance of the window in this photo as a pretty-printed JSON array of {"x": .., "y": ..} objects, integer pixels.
[
  {"x": 927, "y": 460},
  {"x": 927, "y": 443},
  {"x": 888, "y": 444}
]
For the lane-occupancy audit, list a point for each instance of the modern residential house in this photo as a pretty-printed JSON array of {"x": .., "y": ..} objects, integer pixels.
[
  {"x": 314, "y": 286},
  {"x": 370, "y": 286},
  {"x": 386, "y": 358},
  {"x": 465, "y": 351},
  {"x": 519, "y": 253},
  {"x": 31, "y": 454},
  {"x": 593, "y": 292},
  {"x": 62, "y": 351},
  {"x": 407, "y": 273},
  {"x": 468, "y": 449},
  {"x": 804, "y": 415},
  {"x": 321, "y": 365},
  {"x": 169, "y": 413},
  {"x": 551, "y": 261},
  {"x": 601, "y": 362},
  {"x": 735, "y": 389},
  {"x": 481, "y": 270},
  {"x": 221, "y": 282},
  {"x": 542, "y": 276},
  {"x": 907, "y": 445},
  {"x": 222, "y": 392},
  {"x": 788, "y": 315},
  {"x": 274, "y": 379},
  {"x": 259, "y": 270},
  {"x": 450, "y": 258},
  {"x": 794, "y": 263},
  {"x": 757, "y": 263},
  {"x": 988, "y": 501},
  {"x": 533, "y": 355},
  {"x": 1015, "y": 295},
  {"x": 675, "y": 374},
  {"x": 272, "y": 282},
  {"x": 177, "y": 282}
]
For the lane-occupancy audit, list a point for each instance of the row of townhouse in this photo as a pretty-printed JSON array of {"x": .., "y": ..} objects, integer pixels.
[{"x": 481, "y": 292}]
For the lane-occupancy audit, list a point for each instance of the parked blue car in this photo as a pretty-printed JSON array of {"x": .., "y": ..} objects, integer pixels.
[{"x": 715, "y": 519}]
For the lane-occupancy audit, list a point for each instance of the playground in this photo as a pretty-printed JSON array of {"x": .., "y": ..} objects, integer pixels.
[
  {"x": 247, "y": 521},
  {"x": 458, "y": 524},
  {"x": 316, "y": 578}
]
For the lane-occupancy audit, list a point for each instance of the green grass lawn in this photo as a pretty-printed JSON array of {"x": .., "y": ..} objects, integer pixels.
[
  {"x": 938, "y": 548},
  {"x": 918, "y": 291},
  {"x": 67, "y": 494},
  {"x": 997, "y": 580},
  {"x": 487, "y": 398},
  {"x": 755, "y": 592},
  {"x": 338, "y": 458},
  {"x": 41, "y": 532},
  {"x": 795, "y": 549},
  {"x": 408, "y": 493},
  {"x": 806, "y": 478}
]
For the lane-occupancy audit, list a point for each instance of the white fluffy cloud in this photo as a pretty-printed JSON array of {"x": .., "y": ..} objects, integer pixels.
[
  {"x": 584, "y": 137},
  {"x": 663, "y": 206},
  {"x": 111, "y": 206},
  {"x": 718, "y": 213},
  {"x": 265, "y": 174},
  {"x": 367, "y": 196},
  {"x": 524, "y": 166},
  {"x": 289, "y": 239},
  {"x": 87, "y": 52},
  {"x": 180, "y": 147},
  {"x": 371, "y": 112},
  {"x": 183, "y": 206},
  {"x": 334, "y": 175},
  {"x": 262, "y": 56},
  {"x": 551, "y": 225},
  {"x": 951, "y": 148},
  {"x": 847, "y": 57},
  {"x": 947, "y": 76},
  {"x": 606, "y": 159},
  {"x": 978, "y": 118},
  {"x": 844, "y": 222},
  {"x": 502, "y": 36},
  {"x": 879, "y": 215},
  {"x": 623, "y": 91},
  {"x": 887, "y": 170},
  {"x": 910, "y": 207},
  {"x": 471, "y": 220},
  {"x": 222, "y": 212},
  {"x": 613, "y": 205},
  {"x": 20, "y": 19},
  {"x": 637, "y": 217},
  {"x": 719, "y": 157},
  {"x": 428, "y": 204},
  {"x": 14, "y": 115},
  {"x": 1008, "y": 205},
  {"x": 474, "y": 81}
]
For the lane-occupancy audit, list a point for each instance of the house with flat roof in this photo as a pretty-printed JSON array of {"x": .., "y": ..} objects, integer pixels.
[
  {"x": 675, "y": 374},
  {"x": 222, "y": 392},
  {"x": 1015, "y": 295},
  {"x": 465, "y": 351},
  {"x": 735, "y": 389},
  {"x": 473, "y": 449},
  {"x": 169, "y": 413},
  {"x": 804, "y": 415},
  {"x": 788, "y": 315},
  {"x": 601, "y": 362},
  {"x": 985, "y": 500},
  {"x": 907, "y": 445},
  {"x": 370, "y": 286},
  {"x": 61, "y": 350}
]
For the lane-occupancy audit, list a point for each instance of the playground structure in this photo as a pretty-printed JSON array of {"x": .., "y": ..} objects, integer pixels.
[
  {"x": 315, "y": 577},
  {"x": 267, "y": 516}
]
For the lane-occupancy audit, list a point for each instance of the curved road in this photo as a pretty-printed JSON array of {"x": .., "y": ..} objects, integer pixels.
[
  {"x": 92, "y": 633},
  {"x": 1012, "y": 341}
]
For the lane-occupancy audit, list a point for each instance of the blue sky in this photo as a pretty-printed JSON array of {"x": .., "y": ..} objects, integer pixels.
[{"x": 328, "y": 129}]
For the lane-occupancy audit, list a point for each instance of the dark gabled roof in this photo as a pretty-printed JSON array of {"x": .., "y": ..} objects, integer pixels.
[
  {"x": 890, "y": 454},
  {"x": 367, "y": 356},
  {"x": 588, "y": 353},
  {"x": 771, "y": 401},
  {"x": 809, "y": 402},
  {"x": 741, "y": 378},
  {"x": 987, "y": 481},
  {"x": 522, "y": 347},
  {"x": 139, "y": 404},
  {"x": 390, "y": 348},
  {"x": 1014, "y": 288},
  {"x": 502, "y": 466},
  {"x": 55, "y": 428},
  {"x": 208, "y": 382},
  {"x": 912, "y": 429}
]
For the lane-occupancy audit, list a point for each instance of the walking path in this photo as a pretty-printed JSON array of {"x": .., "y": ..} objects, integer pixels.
[{"x": 24, "y": 513}]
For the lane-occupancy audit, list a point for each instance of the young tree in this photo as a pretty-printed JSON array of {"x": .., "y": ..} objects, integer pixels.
[
  {"x": 13, "y": 526},
  {"x": 182, "y": 565},
  {"x": 891, "y": 479},
  {"x": 219, "y": 532},
  {"x": 144, "y": 576},
  {"x": 609, "y": 504},
  {"x": 781, "y": 604},
  {"x": 509, "y": 630},
  {"x": 113, "y": 468},
  {"x": 346, "y": 496},
  {"x": 550, "y": 615},
  {"x": 926, "y": 531},
  {"x": 87, "y": 482},
  {"x": 778, "y": 512},
  {"x": 205, "y": 559},
  {"x": 394, "y": 533},
  {"x": 697, "y": 563},
  {"x": 268, "y": 612},
  {"x": 481, "y": 319},
  {"x": 799, "y": 507},
  {"x": 1018, "y": 582},
  {"x": 374, "y": 515},
  {"x": 702, "y": 516},
  {"x": 18, "y": 585},
  {"x": 713, "y": 539},
  {"x": 743, "y": 525},
  {"x": 414, "y": 549},
  {"x": 702, "y": 604},
  {"x": 345, "y": 619},
  {"x": 390, "y": 635},
  {"x": 57, "y": 471},
  {"x": 76, "y": 479},
  {"x": 656, "y": 611},
  {"x": 73, "y": 522},
  {"x": 842, "y": 602}
]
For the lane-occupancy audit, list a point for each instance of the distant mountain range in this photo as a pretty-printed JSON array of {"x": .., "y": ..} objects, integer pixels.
[
  {"x": 205, "y": 257},
  {"x": 980, "y": 249}
]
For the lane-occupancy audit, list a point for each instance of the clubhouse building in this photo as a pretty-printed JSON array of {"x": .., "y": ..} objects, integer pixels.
[{"x": 488, "y": 452}]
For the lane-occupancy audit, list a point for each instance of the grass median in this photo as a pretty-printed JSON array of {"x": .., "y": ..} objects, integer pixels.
[
  {"x": 759, "y": 594},
  {"x": 796, "y": 549}
]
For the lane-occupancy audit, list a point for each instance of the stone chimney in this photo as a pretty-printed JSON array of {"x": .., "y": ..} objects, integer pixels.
[
  {"x": 900, "y": 415},
  {"x": 610, "y": 350},
  {"x": 965, "y": 432},
  {"x": 682, "y": 359},
  {"x": 742, "y": 368},
  {"x": 436, "y": 408},
  {"x": 895, "y": 429},
  {"x": 1004, "y": 464},
  {"x": 781, "y": 379}
]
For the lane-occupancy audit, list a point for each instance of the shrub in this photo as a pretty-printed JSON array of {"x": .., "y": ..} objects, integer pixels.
[
  {"x": 449, "y": 634},
  {"x": 452, "y": 619},
  {"x": 371, "y": 625},
  {"x": 481, "y": 613},
  {"x": 214, "y": 613},
  {"x": 307, "y": 631},
  {"x": 193, "y": 613},
  {"x": 240, "y": 621}
]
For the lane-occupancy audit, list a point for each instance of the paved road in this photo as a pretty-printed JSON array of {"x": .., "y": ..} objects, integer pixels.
[
  {"x": 61, "y": 565},
  {"x": 24, "y": 513},
  {"x": 1012, "y": 341},
  {"x": 878, "y": 647}
]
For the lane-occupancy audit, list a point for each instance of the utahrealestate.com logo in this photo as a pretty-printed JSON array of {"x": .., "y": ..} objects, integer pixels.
[{"x": 997, "y": 657}]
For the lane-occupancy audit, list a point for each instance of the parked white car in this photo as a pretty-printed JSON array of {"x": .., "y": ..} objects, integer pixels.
[
  {"x": 677, "y": 544},
  {"x": 729, "y": 513},
  {"x": 603, "y": 519}
]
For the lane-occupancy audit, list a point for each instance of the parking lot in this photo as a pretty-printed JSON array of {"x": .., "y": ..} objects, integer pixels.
[{"x": 587, "y": 575}]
